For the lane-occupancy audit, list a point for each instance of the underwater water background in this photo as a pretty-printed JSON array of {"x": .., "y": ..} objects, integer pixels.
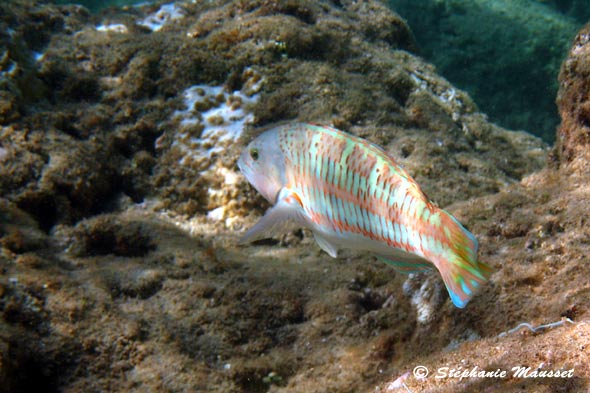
[
  {"x": 505, "y": 53},
  {"x": 97, "y": 5}
]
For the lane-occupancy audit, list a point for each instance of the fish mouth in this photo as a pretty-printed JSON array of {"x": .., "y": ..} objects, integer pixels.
[
  {"x": 247, "y": 171},
  {"x": 242, "y": 166}
]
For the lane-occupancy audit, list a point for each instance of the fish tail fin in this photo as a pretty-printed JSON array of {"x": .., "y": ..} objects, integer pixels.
[{"x": 462, "y": 273}]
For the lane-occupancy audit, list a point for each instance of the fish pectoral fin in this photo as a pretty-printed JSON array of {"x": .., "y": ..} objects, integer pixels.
[
  {"x": 325, "y": 245},
  {"x": 407, "y": 264},
  {"x": 278, "y": 219}
]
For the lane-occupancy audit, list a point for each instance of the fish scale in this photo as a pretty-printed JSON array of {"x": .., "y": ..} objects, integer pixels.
[
  {"x": 355, "y": 170},
  {"x": 351, "y": 194}
]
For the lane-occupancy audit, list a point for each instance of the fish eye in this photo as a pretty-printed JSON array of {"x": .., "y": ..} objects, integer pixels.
[{"x": 254, "y": 153}]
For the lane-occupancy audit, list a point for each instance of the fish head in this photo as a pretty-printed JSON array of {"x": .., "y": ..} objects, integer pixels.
[{"x": 263, "y": 164}]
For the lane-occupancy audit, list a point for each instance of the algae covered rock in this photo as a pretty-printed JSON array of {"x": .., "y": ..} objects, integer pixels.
[
  {"x": 573, "y": 137},
  {"x": 25, "y": 30}
]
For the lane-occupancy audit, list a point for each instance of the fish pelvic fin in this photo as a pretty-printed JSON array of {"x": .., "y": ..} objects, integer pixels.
[{"x": 461, "y": 272}]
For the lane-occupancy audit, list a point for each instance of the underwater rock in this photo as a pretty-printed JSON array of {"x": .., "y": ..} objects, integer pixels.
[
  {"x": 19, "y": 232},
  {"x": 573, "y": 137},
  {"x": 6, "y": 365},
  {"x": 107, "y": 234},
  {"x": 54, "y": 177},
  {"x": 139, "y": 283},
  {"x": 26, "y": 27}
]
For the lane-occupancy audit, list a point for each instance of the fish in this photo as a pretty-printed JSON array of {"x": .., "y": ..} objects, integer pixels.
[{"x": 351, "y": 194}]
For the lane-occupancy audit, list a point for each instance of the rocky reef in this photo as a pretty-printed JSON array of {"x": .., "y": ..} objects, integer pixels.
[
  {"x": 573, "y": 137},
  {"x": 121, "y": 206}
]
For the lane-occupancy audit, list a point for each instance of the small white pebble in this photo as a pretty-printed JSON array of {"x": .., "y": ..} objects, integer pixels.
[
  {"x": 216, "y": 214},
  {"x": 3, "y": 154},
  {"x": 160, "y": 18},
  {"x": 115, "y": 28}
]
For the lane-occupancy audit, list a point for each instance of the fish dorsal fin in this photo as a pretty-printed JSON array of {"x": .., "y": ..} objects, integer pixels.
[
  {"x": 278, "y": 219},
  {"x": 414, "y": 265},
  {"x": 326, "y": 245}
]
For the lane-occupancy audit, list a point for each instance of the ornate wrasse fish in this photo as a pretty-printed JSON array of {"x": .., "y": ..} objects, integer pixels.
[{"x": 352, "y": 195}]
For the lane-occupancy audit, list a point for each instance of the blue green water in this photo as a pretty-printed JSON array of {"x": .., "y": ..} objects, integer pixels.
[
  {"x": 505, "y": 53},
  {"x": 97, "y": 5}
]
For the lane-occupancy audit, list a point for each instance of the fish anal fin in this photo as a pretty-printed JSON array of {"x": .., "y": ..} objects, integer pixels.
[
  {"x": 326, "y": 245},
  {"x": 407, "y": 266}
]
